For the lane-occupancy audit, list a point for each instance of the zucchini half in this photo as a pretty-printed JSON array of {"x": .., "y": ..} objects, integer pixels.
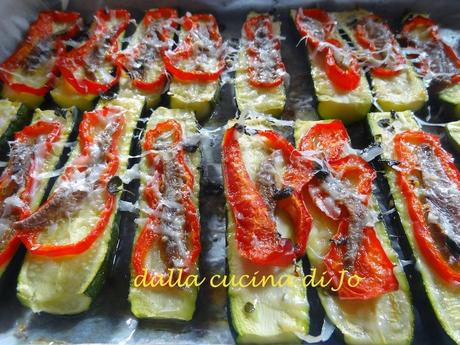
[
  {"x": 334, "y": 103},
  {"x": 267, "y": 314},
  {"x": 166, "y": 302},
  {"x": 404, "y": 91},
  {"x": 13, "y": 116},
  {"x": 453, "y": 132},
  {"x": 193, "y": 95},
  {"x": 52, "y": 162},
  {"x": 65, "y": 95},
  {"x": 387, "y": 319},
  {"x": 68, "y": 284},
  {"x": 444, "y": 299},
  {"x": 260, "y": 99}
]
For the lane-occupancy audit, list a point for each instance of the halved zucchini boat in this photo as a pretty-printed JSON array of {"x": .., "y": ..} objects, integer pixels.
[
  {"x": 453, "y": 131},
  {"x": 379, "y": 313},
  {"x": 434, "y": 59},
  {"x": 70, "y": 252},
  {"x": 342, "y": 91},
  {"x": 270, "y": 313},
  {"x": 195, "y": 65},
  {"x": 34, "y": 154},
  {"x": 13, "y": 116},
  {"x": 88, "y": 69},
  {"x": 30, "y": 72},
  {"x": 443, "y": 296},
  {"x": 174, "y": 219},
  {"x": 395, "y": 84},
  {"x": 141, "y": 61},
  {"x": 260, "y": 35}
]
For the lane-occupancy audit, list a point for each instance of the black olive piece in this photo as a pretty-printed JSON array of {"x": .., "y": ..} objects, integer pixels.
[
  {"x": 249, "y": 307},
  {"x": 190, "y": 148},
  {"x": 283, "y": 193},
  {"x": 113, "y": 187},
  {"x": 60, "y": 112},
  {"x": 394, "y": 115},
  {"x": 383, "y": 123}
]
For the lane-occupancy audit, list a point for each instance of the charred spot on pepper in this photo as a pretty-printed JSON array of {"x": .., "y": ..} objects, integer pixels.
[{"x": 114, "y": 185}]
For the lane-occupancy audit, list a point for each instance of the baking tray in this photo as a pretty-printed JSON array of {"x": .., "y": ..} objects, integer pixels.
[{"x": 109, "y": 320}]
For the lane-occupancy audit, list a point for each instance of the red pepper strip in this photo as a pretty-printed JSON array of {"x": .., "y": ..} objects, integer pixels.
[
  {"x": 314, "y": 15},
  {"x": 371, "y": 263},
  {"x": 161, "y": 15},
  {"x": 328, "y": 138},
  {"x": 366, "y": 42},
  {"x": 250, "y": 27},
  {"x": 40, "y": 30},
  {"x": 256, "y": 234},
  {"x": 346, "y": 78},
  {"x": 52, "y": 131},
  {"x": 91, "y": 120},
  {"x": 343, "y": 77},
  {"x": 404, "y": 144},
  {"x": 75, "y": 59},
  {"x": 185, "y": 50},
  {"x": 148, "y": 238},
  {"x": 423, "y": 22}
]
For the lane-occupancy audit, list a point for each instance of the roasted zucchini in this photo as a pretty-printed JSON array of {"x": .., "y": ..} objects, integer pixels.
[
  {"x": 443, "y": 297},
  {"x": 385, "y": 319},
  {"x": 453, "y": 131},
  {"x": 170, "y": 302},
  {"x": 13, "y": 116},
  {"x": 349, "y": 98},
  {"x": 66, "y": 266},
  {"x": 396, "y": 86},
  {"x": 270, "y": 96},
  {"x": 262, "y": 314},
  {"x": 29, "y": 193}
]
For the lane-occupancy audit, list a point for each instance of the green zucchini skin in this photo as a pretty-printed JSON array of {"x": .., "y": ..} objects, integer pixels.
[
  {"x": 59, "y": 297},
  {"x": 453, "y": 132},
  {"x": 367, "y": 327},
  {"x": 22, "y": 118},
  {"x": 281, "y": 314},
  {"x": 444, "y": 299}
]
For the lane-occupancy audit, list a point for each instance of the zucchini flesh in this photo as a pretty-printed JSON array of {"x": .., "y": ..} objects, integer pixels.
[
  {"x": 260, "y": 99},
  {"x": 68, "y": 284},
  {"x": 280, "y": 314},
  {"x": 51, "y": 162},
  {"x": 451, "y": 96},
  {"x": 65, "y": 95},
  {"x": 405, "y": 91},
  {"x": 444, "y": 299},
  {"x": 453, "y": 131},
  {"x": 193, "y": 95},
  {"x": 387, "y": 319},
  {"x": 167, "y": 302},
  {"x": 13, "y": 116},
  {"x": 333, "y": 103}
]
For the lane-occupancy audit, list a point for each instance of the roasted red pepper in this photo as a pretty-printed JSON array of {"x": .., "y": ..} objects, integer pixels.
[
  {"x": 318, "y": 28},
  {"x": 92, "y": 123},
  {"x": 256, "y": 235},
  {"x": 374, "y": 35},
  {"x": 266, "y": 69},
  {"x": 43, "y": 48},
  {"x": 371, "y": 262},
  {"x": 156, "y": 38},
  {"x": 200, "y": 47},
  {"x": 150, "y": 235},
  {"x": 429, "y": 239},
  {"x": 80, "y": 65},
  {"x": 422, "y": 33},
  {"x": 41, "y": 131}
]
